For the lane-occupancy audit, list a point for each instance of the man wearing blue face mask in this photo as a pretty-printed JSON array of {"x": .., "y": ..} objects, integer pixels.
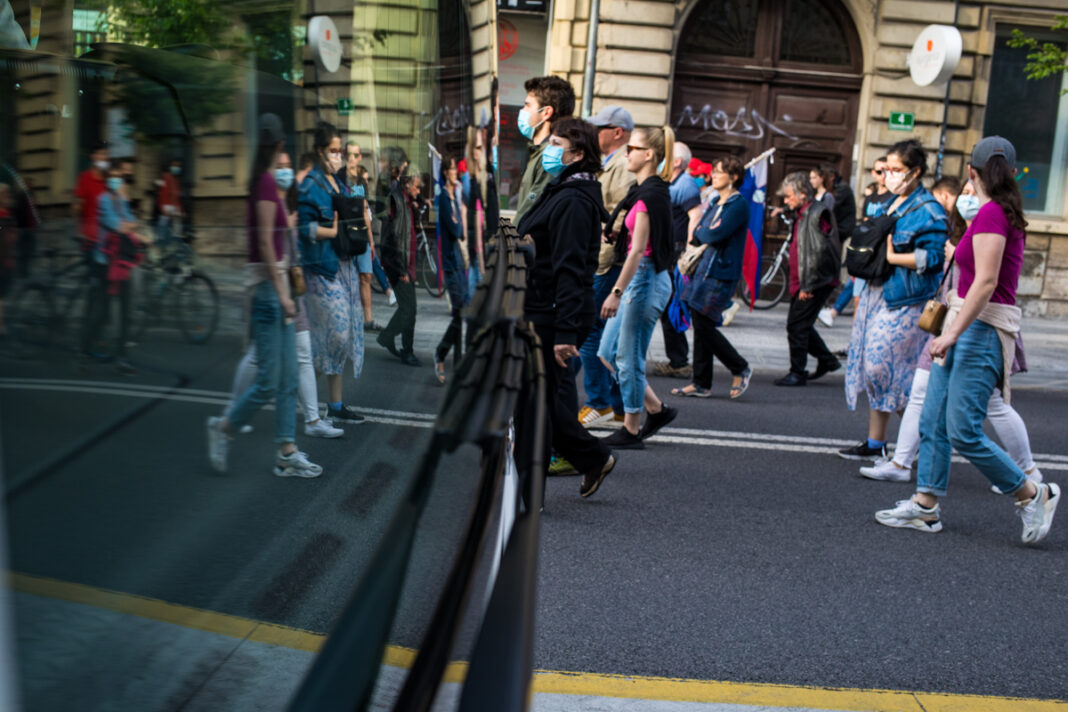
[{"x": 549, "y": 99}]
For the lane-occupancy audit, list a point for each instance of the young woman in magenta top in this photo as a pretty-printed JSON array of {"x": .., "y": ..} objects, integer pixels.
[
  {"x": 971, "y": 358},
  {"x": 643, "y": 287}
]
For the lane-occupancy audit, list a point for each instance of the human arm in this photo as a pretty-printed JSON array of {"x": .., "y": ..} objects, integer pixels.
[
  {"x": 733, "y": 217},
  {"x": 367, "y": 221},
  {"x": 695, "y": 214},
  {"x": 265, "y": 227},
  {"x": 570, "y": 231},
  {"x": 989, "y": 248},
  {"x": 639, "y": 241},
  {"x": 899, "y": 259}
]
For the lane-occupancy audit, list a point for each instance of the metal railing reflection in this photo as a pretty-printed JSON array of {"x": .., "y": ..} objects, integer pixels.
[{"x": 500, "y": 375}]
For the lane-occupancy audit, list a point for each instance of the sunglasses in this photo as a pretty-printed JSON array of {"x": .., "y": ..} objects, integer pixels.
[{"x": 637, "y": 148}]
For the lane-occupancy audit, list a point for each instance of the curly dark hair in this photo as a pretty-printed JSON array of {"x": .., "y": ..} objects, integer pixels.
[
  {"x": 582, "y": 135},
  {"x": 911, "y": 154},
  {"x": 732, "y": 167},
  {"x": 555, "y": 92}
]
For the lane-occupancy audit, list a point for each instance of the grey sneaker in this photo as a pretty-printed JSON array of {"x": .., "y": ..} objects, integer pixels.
[
  {"x": 907, "y": 514},
  {"x": 886, "y": 470},
  {"x": 322, "y": 429},
  {"x": 218, "y": 443},
  {"x": 296, "y": 464},
  {"x": 1037, "y": 513}
]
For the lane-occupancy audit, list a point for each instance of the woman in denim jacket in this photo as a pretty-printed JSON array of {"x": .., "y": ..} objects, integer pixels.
[
  {"x": 335, "y": 312},
  {"x": 886, "y": 342}
]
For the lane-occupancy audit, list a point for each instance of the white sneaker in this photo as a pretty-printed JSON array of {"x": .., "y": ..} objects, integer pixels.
[
  {"x": 1037, "y": 513},
  {"x": 909, "y": 515},
  {"x": 826, "y": 318},
  {"x": 887, "y": 470},
  {"x": 392, "y": 298},
  {"x": 730, "y": 312},
  {"x": 218, "y": 443},
  {"x": 1035, "y": 475},
  {"x": 322, "y": 429},
  {"x": 245, "y": 429},
  {"x": 296, "y": 464}
]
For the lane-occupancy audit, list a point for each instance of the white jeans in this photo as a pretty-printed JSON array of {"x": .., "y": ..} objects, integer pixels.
[
  {"x": 307, "y": 396},
  {"x": 1007, "y": 424}
]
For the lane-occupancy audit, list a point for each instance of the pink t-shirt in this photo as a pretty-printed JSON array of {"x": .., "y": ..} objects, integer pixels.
[
  {"x": 631, "y": 219},
  {"x": 267, "y": 190},
  {"x": 991, "y": 218}
]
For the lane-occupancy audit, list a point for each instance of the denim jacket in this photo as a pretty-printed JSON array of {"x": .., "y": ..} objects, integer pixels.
[
  {"x": 315, "y": 206},
  {"x": 922, "y": 229}
]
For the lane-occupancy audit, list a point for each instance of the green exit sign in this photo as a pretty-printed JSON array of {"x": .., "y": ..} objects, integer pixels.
[
  {"x": 344, "y": 106},
  {"x": 902, "y": 121}
]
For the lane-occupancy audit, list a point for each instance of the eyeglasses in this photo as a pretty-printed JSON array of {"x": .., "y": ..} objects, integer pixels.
[
  {"x": 356, "y": 155},
  {"x": 637, "y": 148},
  {"x": 896, "y": 170}
]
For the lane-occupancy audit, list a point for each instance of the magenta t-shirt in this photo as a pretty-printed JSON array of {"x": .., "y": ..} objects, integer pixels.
[
  {"x": 991, "y": 218},
  {"x": 631, "y": 219},
  {"x": 267, "y": 189}
]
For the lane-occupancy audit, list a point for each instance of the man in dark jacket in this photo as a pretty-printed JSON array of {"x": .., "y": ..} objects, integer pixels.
[
  {"x": 399, "y": 246},
  {"x": 815, "y": 260},
  {"x": 845, "y": 205}
]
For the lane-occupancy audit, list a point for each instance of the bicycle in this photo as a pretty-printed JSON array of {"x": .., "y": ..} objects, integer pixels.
[
  {"x": 426, "y": 259},
  {"x": 41, "y": 307},
  {"x": 774, "y": 274},
  {"x": 169, "y": 285}
]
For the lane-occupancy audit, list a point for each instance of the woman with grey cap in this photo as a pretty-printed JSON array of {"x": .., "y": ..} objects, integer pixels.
[
  {"x": 973, "y": 354},
  {"x": 272, "y": 313}
]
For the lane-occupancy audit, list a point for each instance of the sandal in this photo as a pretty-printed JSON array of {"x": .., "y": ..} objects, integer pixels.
[
  {"x": 439, "y": 372},
  {"x": 743, "y": 385},
  {"x": 692, "y": 391}
]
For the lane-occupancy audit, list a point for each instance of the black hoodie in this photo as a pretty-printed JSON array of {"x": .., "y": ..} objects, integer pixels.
[{"x": 565, "y": 224}]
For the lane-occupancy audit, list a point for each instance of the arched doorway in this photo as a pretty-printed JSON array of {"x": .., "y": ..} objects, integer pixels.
[{"x": 753, "y": 74}]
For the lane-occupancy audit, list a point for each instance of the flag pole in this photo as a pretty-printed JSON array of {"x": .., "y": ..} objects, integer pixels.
[{"x": 761, "y": 157}]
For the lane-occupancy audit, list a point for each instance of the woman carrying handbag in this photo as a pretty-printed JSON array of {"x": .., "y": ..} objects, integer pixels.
[{"x": 723, "y": 228}]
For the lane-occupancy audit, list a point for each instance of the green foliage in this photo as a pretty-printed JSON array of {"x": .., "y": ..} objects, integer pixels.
[{"x": 1045, "y": 59}]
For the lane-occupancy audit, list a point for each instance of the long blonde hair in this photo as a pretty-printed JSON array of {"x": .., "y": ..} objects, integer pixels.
[{"x": 662, "y": 141}]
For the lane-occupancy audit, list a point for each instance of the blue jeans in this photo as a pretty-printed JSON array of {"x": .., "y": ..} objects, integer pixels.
[
  {"x": 380, "y": 274},
  {"x": 844, "y": 298},
  {"x": 474, "y": 276},
  {"x": 601, "y": 391},
  {"x": 276, "y": 372},
  {"x": 953, "y": 414},
  {"x": 626, "y": 336}
]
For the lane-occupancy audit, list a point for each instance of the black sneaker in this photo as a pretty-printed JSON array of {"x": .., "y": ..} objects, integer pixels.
[
  {"x": 344, "y": 414},
  {"x": 822, "y": 369},
  {"x": 591, "y": 481},
  {"x": 655, "y": 421},
  {"x": 623, "y": 440},
  {"x": 861, "y": 451},
  {"x": 389, "y": 344}
]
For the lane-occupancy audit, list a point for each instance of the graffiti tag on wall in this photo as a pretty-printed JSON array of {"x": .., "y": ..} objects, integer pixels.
[{"x": 746, "y": 123}]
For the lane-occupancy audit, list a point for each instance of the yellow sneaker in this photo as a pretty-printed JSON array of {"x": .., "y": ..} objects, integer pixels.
[{"x": 590, "y": 417}]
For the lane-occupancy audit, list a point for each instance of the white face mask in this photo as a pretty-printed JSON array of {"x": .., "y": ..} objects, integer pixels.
[
  {"x": 102, "y": 165},
  {"x": 335, "y": 162},
  {"x": 897, "y": 182},
  {"x": 968, "y": 206}
]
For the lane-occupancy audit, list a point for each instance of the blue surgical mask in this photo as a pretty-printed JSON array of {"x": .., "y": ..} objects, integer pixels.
[
  {"x": 660, "y": 167},
  {"x": 176, "y": 170},
  {"x": 967, "y": 206},
  {"x": 524, "y": 123},
  {"x": 552, "y": 160},
  {"x": 700, "y": 181},
  {"x": 283, "y": 177},
  {"x": 114, "y": 183}
]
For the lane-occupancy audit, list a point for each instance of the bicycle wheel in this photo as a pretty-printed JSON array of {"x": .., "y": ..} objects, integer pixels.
[
  {"x": 30, "y": 317},
  {"x": 198, "y": 308},
  {"x": 427, "y": 270},
  {"x": 773, "y": 283}
]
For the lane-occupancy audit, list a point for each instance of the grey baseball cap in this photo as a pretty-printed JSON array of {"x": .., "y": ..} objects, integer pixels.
[
  {"x": 993, "y": 146},
  {"x": 613, "y": 115},
  {"x": 271, "y": 129}
]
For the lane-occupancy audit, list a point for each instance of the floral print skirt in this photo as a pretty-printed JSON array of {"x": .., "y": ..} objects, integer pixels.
[
  {"x": 335, "y": 315},
  {"x": 884, "y": 348}
]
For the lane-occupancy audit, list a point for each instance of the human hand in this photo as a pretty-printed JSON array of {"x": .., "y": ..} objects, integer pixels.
[
  {"x": 940, "y": 345},
  {"x": 404, "y": 279},
  {"x": 610, "y": 307},
  {"x": 804, "y": 296},
  {"x": 563, "y": 352},
  {"x": 289, "y": 307},
  {"x": 950, "y": 248}
]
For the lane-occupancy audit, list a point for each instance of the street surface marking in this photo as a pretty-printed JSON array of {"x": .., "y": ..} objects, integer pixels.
[
  {"x": 581, "y": 684},
  {"x": 414, "y": 419}
]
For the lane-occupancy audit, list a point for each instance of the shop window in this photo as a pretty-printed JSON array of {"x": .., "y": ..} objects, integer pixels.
[{"x": 1036, "y": 122}]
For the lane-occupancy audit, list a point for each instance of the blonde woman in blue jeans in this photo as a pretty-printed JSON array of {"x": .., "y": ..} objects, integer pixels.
[{"x": 643, "y": 287}]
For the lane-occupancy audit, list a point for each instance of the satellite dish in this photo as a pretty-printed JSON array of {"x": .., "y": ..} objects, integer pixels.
[{"x": 935, "y": 55}]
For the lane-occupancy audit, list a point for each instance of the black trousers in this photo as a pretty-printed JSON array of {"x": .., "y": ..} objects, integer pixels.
[
  {"x": 801, "y": 331},
  {"x": 403, "y": 320},
  {"x": 567, "y": 437},
  {"x": 98, "y": 307},
  {"x": 675, "y": 344},
  {"x": 709, "y": 342}
]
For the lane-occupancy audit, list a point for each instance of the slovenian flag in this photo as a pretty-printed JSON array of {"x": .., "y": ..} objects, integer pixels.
[{"x": 754, "y": 190}]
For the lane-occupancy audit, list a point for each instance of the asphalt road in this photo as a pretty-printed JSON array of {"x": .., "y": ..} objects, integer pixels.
[{"x": 736, "y": 547}]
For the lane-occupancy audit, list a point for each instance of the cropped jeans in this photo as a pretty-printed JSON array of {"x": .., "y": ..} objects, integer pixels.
[
  {"x": 954, "y": 410},
  {"x": 626, "y": 336},
  {"x": 601, "y": 392},
  {"x": 276, "y": 374}
]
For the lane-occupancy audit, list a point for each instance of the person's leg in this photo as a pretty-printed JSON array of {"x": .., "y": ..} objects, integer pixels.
[
  {"x": 334, "y": 384},
  {"x": 379, "y": 273},
  {"x": 724, "y": 350},
  {"x": 878, "y": 423},
  {"x": 816, "y": 346},
  {"x": 285, "y": 395},
  {"x": 365, "y": 296},
  {"x": 633, "y": 318},
  {"x": 596, "y": 378},
  {"x": 976, "y": 372},
  {"x": 307, "y": 394},
  {"x": 396, "y": 322},
  {"x": 703, "y": 330},
  {"x": 96, "y": 306},
  {"x": 244, "y": 375},
  {"x": 908, "y": 433},
  {"x": 450, "y": 338},
  {"x": 844, "y": 298},
  {"x": 1011, "y": 431},
  {"x": 406, "y": 307},
  {"x": 675, "y": 344},
  {"x": 932, "y": 467},
  {"x": 567, "y": 390},
  {"x": 267, "y": 335},
  {"x": 799, "y": 322},
  {"x": 124, "y": 318}
]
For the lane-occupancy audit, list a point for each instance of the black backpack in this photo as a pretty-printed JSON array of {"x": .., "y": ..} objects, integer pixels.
[{"x": 865, "y": 257}]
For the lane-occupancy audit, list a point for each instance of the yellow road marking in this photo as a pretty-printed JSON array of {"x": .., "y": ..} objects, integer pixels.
[{"x": 547, "y": 681}]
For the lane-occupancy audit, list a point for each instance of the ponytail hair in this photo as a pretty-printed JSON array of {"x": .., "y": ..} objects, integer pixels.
[{"x": 662, "y": 141}]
